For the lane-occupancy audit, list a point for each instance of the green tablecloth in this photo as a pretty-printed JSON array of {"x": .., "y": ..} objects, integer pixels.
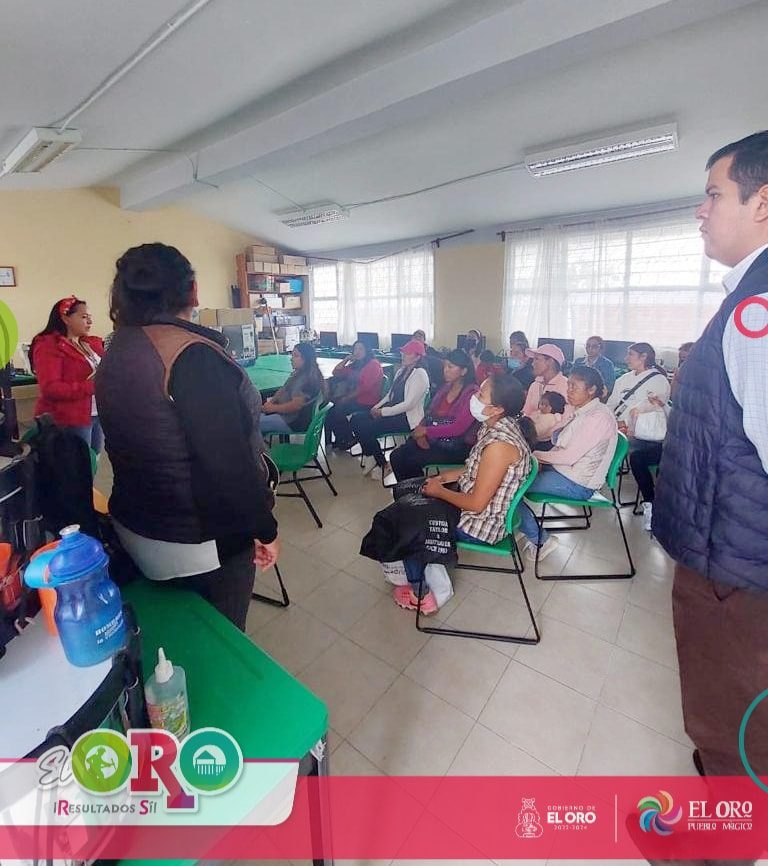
[
  {"x": 270, "y": 372},
  {"x": 231, "y": 683}
]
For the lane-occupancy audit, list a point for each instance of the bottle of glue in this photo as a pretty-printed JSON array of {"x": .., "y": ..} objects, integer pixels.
[{"x": 166, "y": 694}]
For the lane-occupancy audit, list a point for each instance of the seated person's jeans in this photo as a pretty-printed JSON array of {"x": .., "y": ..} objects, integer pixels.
[
  {"x": 414, "y": 570},
  {"x": 274, "y": 423},
  {"x": 549, "y": 480}
]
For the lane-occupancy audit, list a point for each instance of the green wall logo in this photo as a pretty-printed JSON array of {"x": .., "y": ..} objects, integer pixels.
[
  {"x": 208, "y": 761},
  {"x": 9, "y": 334}
]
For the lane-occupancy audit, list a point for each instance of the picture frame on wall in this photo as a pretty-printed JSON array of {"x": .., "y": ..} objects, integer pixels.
[{"x": 7, "y": 276}]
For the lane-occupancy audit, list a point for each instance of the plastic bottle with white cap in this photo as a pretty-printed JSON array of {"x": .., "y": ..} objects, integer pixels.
[{"x": 166, "y": 694}]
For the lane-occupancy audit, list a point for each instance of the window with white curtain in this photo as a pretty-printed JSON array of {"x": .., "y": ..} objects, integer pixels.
[
  {"x": 635, "y": 278},
  {"x": 395, "y": 294}
]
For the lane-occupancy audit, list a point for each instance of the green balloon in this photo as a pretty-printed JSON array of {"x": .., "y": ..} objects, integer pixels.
[{"x": 9, "y": 333}]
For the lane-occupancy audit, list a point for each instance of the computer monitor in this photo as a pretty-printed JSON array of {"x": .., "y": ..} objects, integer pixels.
[
  {"x": 369, "y": 339},
  {"x": 616, "y": 350},
  {"x": 461, "y": 342},
  {"x": 567, "y": 347},
  {"x": 399, "y": 340},
  {"x": 328, "y": 339}
]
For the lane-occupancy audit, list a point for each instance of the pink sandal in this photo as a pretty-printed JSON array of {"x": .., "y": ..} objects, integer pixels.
[
  {"x": 404, "y": 597},
  {"x": 428, "y": 603}
]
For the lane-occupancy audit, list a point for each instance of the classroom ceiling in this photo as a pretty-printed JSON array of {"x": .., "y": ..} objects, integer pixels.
[{"x": 265, "y": 104}]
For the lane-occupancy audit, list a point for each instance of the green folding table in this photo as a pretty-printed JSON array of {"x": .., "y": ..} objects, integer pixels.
[{"x": 231, "y": 683}]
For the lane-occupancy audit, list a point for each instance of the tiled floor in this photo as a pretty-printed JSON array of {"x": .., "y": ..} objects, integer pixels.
[
  {"x": 599, "y": 691},
  {"x": 599, "y": 695}
]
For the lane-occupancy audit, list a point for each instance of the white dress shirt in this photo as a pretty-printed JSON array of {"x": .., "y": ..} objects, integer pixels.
[{"x": 746, "y": 361}]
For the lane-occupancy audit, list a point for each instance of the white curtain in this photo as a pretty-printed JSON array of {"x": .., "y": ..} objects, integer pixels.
[
  {"x": 634, "y": 278},
  {"x": 390, "y": 295}
]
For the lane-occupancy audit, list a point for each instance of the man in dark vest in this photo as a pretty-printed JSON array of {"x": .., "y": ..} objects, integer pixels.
[{"x": 711, "y": 507}]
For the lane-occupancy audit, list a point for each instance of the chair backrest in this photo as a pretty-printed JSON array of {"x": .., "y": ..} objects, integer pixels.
[
  {"x": 518, "y": 497},
  {"x": 315, "y": 430},
  {"x": 622, "y": 446}
]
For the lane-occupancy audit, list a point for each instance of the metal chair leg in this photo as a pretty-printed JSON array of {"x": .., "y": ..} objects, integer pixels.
[
  {"x": 277, "y": 602},
  {"x": 622, "y": 576},
  {"x": 326, "y": 477},
  {"x": 481, "y": 635},
  {"x": 304, "y": 496}
]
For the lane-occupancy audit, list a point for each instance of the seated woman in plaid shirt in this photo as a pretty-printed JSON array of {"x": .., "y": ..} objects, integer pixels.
[{"x": 495, "y": 468}]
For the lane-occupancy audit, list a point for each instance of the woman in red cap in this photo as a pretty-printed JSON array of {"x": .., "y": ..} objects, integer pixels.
[
  {"x": 64, "y": 358},
  {"x": 402, "y": 408}
]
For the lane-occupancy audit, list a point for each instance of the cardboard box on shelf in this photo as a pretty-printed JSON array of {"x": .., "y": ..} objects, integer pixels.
[
  {"x": 207, "y": 317},
  {"x": 301, "y": 270},
  {"x": 292, "y": 302},
  {"x": 235, "y": 317},
  {"x": 293, "y": 260},
  {"x": 262, "y": 267},
  {"x": 289, "y": 286},
  {"x": 255, "y": 252},
  {"x": 267, "y": 347}
]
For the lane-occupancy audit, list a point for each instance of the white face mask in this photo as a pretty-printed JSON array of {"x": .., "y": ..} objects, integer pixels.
[{"x": 477, "y": 408}]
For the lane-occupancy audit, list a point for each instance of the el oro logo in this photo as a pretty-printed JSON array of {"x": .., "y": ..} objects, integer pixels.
[
  {"x": 208, "y": 761},
  {"x": 9, "y": 334},
  {"x": 659, "y": 813}
]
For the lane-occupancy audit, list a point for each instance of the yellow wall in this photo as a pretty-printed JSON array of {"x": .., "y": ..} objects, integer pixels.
[
  {"x": 66, "y": 242},
  {"x": 468, "y": 292}
]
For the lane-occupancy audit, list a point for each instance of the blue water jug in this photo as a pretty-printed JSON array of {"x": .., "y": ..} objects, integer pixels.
[{"x": 89, "y": 610}]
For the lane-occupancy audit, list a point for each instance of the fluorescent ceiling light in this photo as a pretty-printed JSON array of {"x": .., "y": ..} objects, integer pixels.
[
  {"x": 39, "y": 147},
  {"x": 313, "y": 215},
  {"x": 600, "y": 151}
]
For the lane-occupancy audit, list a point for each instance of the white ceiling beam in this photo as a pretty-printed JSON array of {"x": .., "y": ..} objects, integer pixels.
[{"x": 528, "y": 39}]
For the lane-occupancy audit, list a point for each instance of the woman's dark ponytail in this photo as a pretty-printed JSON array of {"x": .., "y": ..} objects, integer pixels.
[
  {"x": 650, "y": 356},
  {"x": 508, "y": 394}
]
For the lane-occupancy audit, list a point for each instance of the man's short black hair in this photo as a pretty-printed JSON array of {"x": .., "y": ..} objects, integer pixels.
[{"x": 749, "y": 168}]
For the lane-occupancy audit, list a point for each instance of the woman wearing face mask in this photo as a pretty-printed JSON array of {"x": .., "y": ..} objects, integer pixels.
[
  {"x": 355, "y": 387},
  {"x": 584, "y": 445},
  {"x": 64, "y": 358},
  {"x": 497, "y": 464},
  {"x": 401, "y": 408},
  {"x": 446, "y": 434}
]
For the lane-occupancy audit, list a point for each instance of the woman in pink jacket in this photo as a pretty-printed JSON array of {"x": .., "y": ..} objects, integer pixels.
[
  {"x": 583, "y": 447},
  {"x": 447, "y": 433}
]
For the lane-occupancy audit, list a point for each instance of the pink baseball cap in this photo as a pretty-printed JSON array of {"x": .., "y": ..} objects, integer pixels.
[
  {"x": 413, "y": 347},
  {"x": 549, "y": 350}
]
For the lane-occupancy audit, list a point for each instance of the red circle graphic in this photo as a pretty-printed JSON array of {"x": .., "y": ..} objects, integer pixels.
[{"x": 739, "y": 312}]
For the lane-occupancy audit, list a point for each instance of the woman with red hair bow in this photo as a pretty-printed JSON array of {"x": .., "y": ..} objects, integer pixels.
[{"x": 64, "y": 358}]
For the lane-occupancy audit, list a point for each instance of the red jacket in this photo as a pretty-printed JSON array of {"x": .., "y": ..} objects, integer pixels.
[
  {"x": 368, "y": 390},
  {"x": 63, "y": 374}
]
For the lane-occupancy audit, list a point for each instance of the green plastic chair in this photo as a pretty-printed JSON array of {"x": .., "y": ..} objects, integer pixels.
[
  {"x": 506, "y": 547},
  {"x": 597, "y": 500},
  {"x": 293, "y": 457}
]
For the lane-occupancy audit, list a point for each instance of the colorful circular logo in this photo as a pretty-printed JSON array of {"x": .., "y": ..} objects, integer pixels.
[
  {"x": 211, "y": 760},
  {"x": 9, "y": 334},
  {"x": 659, "y": 813},
  {"x": 101, "y": 762}
]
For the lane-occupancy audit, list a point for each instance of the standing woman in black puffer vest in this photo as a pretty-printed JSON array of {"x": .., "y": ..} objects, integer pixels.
[{"x": 181, "y": 420}]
